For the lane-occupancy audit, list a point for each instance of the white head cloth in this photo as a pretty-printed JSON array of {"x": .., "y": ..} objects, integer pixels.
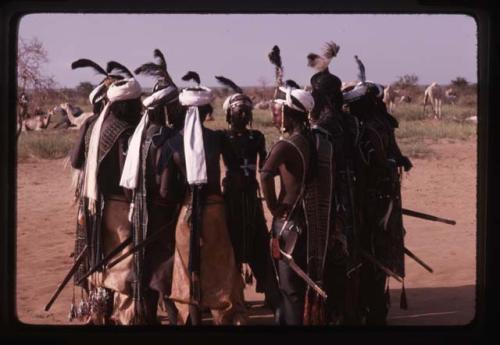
[
  {"x": 229, "y": 102},
  {"x": 130, "y": 171},
  {"x": 160, "y": 95},
  {"x": 304, "y": 97},
  {"x": 194, "y": 151},
  {"x": 361, "y": 89},
  {"x": 95, "y": 96},
  {"x": 118, "y": 91}
]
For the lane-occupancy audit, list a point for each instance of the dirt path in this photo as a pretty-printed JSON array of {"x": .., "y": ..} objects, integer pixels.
[{"x": 444, "y": 186}]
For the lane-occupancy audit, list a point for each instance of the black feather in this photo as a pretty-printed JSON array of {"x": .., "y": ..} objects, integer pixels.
[
  {"x": 88, "y": 63},
  {"x": 163, "y": 63},
  {"x": 311, "y": 59},
  {"x": 361, "y": 67},
  {"x": 275, "y": 57},
  {"x": 192, "y": 76},
  {"x": 330, "y": 50},
  {"x": 291, "y": 83},
  {"x": 113, "y": 65},
  {"x": 229, "y": 83},
  {"x": 149, "y": 68}
]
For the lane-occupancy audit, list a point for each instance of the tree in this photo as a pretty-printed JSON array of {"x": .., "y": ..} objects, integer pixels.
[
  {"x": 30, "y": 57},
  {"x": 84, "y": 89},
  {"x": 408, "y": 80},
  {"x": 459, "y": 82}
]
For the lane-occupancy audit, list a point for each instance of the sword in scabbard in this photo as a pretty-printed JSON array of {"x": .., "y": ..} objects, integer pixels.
[
  {"x": 106, "y": 259},
  {"x": 194, "y": 256},
  {"x": 149, "y": 239},
  {"x": 418, "y": 260},
  {"x": 421, "y": 215},
  {"x": 377, "y": 263},
  {"x": 68, "y": 276},
  {"x": 288, "y": 259}
]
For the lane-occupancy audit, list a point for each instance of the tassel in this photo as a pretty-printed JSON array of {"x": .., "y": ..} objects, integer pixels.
[
  {"x": 307, "y": 306},
  {"x": 403, "y": 303},
  {"x": 248, "y": 277},
  {"x": 387, "y": 295}
]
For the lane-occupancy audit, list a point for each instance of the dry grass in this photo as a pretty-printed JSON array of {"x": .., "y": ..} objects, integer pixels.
[
  {"x": 414, "y": 129},
  {"x": 48, "y": 144}
]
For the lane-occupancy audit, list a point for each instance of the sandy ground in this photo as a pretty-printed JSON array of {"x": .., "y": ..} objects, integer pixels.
[{"x": 444, "y": 186}]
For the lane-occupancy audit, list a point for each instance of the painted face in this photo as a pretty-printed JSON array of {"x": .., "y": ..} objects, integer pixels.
[
  {"x": 240, "y": 117},
  {"x": 277, "y": 111}
]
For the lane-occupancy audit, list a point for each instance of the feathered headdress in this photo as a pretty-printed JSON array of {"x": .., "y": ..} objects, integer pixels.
[
  {"x": 158, "y": 70},
  {"x": 291, "y": 83},
  {"x": 99, "y": 92},
  {"x": 88, "y": 63},
  {"x": 192, "y": 76},
  {"x": 238, "y": 99},
  {"x": 275, "y": 58},
  {"x": 229, "y": 83},
  {"x": 363, "y": 87},
  {"x": 320, "y": 63},
  {"x": 362, "y": 74},
  {"x": 118, "y": 68}
]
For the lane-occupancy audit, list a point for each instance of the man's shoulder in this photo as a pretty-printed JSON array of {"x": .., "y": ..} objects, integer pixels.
[{"x": 256, "y": 134}]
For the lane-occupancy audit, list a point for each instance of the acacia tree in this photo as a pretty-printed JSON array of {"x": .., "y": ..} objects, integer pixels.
[
  {"x": 460, "y": 82},
  {"x": 31, "y": 55},
  {"x": 407, "y": 81}
]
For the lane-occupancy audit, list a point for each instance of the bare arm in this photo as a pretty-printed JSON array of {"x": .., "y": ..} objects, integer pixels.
[
  {"x": 269, "y": 170},
  {"x": 262, "y": 150}
]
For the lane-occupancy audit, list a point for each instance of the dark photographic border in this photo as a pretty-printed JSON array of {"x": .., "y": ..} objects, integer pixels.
[{"x": 487, "y": 186}]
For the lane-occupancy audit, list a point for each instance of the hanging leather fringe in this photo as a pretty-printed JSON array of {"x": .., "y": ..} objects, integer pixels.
[
  {"x": 248, "y": 274},
  {"x": 387, "y": 294},
  {"x": 403, "y": 303},
  {"x": 307, "y": 309},
  {"x": 314, "y": 309}
]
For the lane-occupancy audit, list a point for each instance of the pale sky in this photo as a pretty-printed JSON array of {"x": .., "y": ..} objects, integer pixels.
[{"x": 434, "y": 47}]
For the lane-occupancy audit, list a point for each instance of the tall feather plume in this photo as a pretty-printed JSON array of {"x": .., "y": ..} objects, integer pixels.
[
  {"x": 291, "y": 83},
  {"x": 161, "y": 58},
  {"x": 330, "y": 50},
  {"x": 320, "y": 63},
  {"x": 192, "y": 76},
  {"x": 113, "y": 65},
  {"x": 163, "y": 65},
  {"x": 229, "y": 83},
  {"x": 362, "y": 74},
  {"x": 275, "y": 58},
  {"x": 158, "y": 70},
  {"x": 149, "y": 68},
  {"x": 88, "y": 63}
]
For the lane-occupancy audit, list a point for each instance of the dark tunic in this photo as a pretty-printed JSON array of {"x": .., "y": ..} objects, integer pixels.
[
  {"x": 154, "y": 213},
  {"x": 343, "y": 129},
  {"x": 245, "y": 215},
  {"x": 381, "y": 229},
  {"x": 111, "y": 158}
]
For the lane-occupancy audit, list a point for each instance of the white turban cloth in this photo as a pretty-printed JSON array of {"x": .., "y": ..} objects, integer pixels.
[
  {"x": 231, "y": 101},
  {"x": 118, "y": 91},
  {"x": 130, "y": 173},
  {"x": 361, "y": 89},
  {"x": 302, "y": 96},
  {"x": 97, "y": 93},
  {"x": 194, "y": 151}
]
